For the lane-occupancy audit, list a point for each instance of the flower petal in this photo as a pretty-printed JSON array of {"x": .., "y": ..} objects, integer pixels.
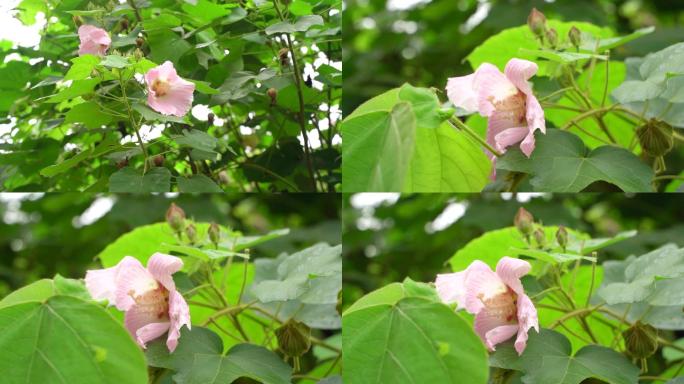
[
  {"x": 509, "y": 137},
  {"x": 480, "y": 283},
  {"x": 451, "y": 288},
  {"x": 179, "y": 313},
  {"x": 527, "y": 318},
  {"x": 150, "y": 332},
  {"x": 139, "y": 316},
  {"x": 510, "y": 270},
  {"x": 487, "y": 321},
  {"x": 499, "y": 335},
  {"x": 94, "y": 41},
  {"x": 461, "y": 93},
  {"x": 162, "y": 267},
  {"x": 101, "y": 283},
  {"x": 518, "y": 71},
  {"x": 132, "y": 280},
  {"x": 491, "y": 85}
]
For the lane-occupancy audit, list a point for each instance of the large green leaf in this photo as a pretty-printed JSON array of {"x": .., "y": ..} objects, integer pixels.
[
  {"x": 562, "y": 163},
  {"x": 377, "y": 149},
  {"x": 191, "y": 342},
  {"x": 302, "y": 24},
  {"x": 82, "y": 67},
  {"x": 89, "y": 114},
  {"x": 130, "y": 180},
  {"x": 412, "y": 340},
  {"x": 66, "y": 340},
  {"x": 198, "y": 183},
  {"x": 77, "y": 88},
  {"x": 510, "y": 43},
  {"x": 243, "y": 360},
  {"x": 547, "y": 359}
]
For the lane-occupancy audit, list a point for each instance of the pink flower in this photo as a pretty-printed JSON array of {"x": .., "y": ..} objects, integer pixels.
[
  {"x": 497, "y": 300},
  {"x": 506, "y": 99},
  {"x": 149, "y": 297},
  {"x": 167, "y": 93},
  {"x": 94, "y": 41}
]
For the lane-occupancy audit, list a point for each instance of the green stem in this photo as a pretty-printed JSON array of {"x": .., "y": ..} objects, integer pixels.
[
  {"x": 133, "y": 123},
  {"x": 458, "y": 124}
]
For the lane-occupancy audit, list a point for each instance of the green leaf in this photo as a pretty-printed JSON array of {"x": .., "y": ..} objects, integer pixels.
[
  {"x": 300, "y": 8},
  {"x": 550, "y": 257},
  {"x": 591, "y": 245},
  {"x": 82, "y": 67},
  {"x": 561, "y": 57},
  {"x": 196, "y": 139},
  {"x": 108, "y": 144},
  {"x": 205, "y": 10},
  {"x": 15, "y": 75},
  {"x": 77, "y": 88},
  {"x": 191, "y": 342},
  {"x": 67, "y": 340},
  {"x": 243, "y": 360},
  {"x": 115, "y": 61},
  {"x": 237, "y": 243},
  {"x": 89, "y": 114},
  {"x": 636, "y": 90},
  {"x": 509, "y": 43},
  {"x": 201, "y": 253},
  {"x": 590, "y": 44},
  {"x": 36, "y": 291},
  {"x": 414, "y": 340},
  {"x": 130, "y": 180},
  {"x": 547, "y": 359},
  {"x": 425, "y": 105},
  {"x": 150, "y": 115},
  {"x": 204, "y": 87},
  {"x": 303, "y": 23},
  {"x": 561, "y": 163},
  {"x": 377, "y": 149},
  {"x": 197, "y": 183}
]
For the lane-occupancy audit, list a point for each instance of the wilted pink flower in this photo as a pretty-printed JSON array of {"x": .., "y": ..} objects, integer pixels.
[
  {"x": 497, "y": 300},
  {"x": 94, "y": 41},
  {"x": 167, "y": 93},
  {"x": 149, "y": 297},
  {"x": 506, "y": 99}
]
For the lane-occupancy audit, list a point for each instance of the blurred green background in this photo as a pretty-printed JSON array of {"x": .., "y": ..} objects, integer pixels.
[
  {"x": 388, "y": 237},
  {"x": 45, "y": 234},
  {"x": 389, "y": 42}
]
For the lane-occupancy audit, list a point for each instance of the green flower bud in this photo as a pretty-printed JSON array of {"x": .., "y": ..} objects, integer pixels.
[
  {"x": 552, "y": 37},
  {"x": 562, "y": 236},
  {"x": 575, "y": 36},
  {"x": 175, "y": 217},
  {"x": 641, "y": 340},
  {"x": 294, "y": 338},
  {"x": 540, "y": 237},
  {"x": 214, "y": 233},
  {"x": 191, "y": 233},
  {"x": 524, "y": 222},
  {"x": 537, "y": 22},
  {"x": 223, "y": 177},
  {"x": 656, "y": 137}
]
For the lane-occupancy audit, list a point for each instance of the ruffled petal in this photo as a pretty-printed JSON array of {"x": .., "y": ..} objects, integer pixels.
[
  {"x": 132, "y": 280},
  {"x": 518, "y": 71},
  {"x": 162, "y": 267},
  {"x": 178, "y": 100},
  {"x": 451, "y": 288},
  {"x": 491, "y": 86},
  {"x": 481, "y": 283},
  {"x": 509, "y": 137},
  {"x": 461, "y": 93},
  {"x": 487, "y": 321},
  {"x": 499, "y": 335},
  {"x": 101, "y": 284},
  {"x": 139, "y": 316},
  {"x": 94, "y": 41},
  {"x": 510, "y": 270},
  {"x": 527, "y": 318},
  {"x": 150, "y": 332},
  {"x": 179, "y": 313}
]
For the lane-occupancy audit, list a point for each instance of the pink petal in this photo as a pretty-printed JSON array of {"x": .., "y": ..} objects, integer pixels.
[
  {"x": 509, "y": 137},
  {"x": 178, "y": 100},
  {"x": 132, "y": 280},
  {"x": 150, "y": 332},
  {"x": 527, "y": 318},
  {"x": 510, "y": 270},
  {"x": 162, "y": 267},
  {"x": 94, "y": 41},
  {"x": 138, "y": 316},
  {"x": 480, "y": 283},
  {"x": 499, "y": 335},
  {"x": 528, "y": 144},
  {"x": 179, "y": 313},
  {"x": 451, "y": 288},
  {"x": 497, "y": 123},
  {"x": 101, "y": 283},
  {"x": 461, "y": 93},
  {"x": 491, "y": 85},
  {"x": 518, "y": 71}
]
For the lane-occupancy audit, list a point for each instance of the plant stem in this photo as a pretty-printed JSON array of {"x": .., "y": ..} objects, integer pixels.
[
  {"x": 133, "y": 123},
  {"x": 459, "y": 125}
]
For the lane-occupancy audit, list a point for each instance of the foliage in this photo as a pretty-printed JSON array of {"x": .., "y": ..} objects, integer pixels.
[
  {"x": 267, "y": 71},
  {"x": 233, "y": 326},
  {"x": 612, "y": 124}
]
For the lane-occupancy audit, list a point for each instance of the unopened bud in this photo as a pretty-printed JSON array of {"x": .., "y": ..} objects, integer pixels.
[
  {"x": 78, "y": 21},
  {"x": 294, "y": 338},
  {"x": 641, "y": 340},
  {"x": 524, "y": 221},
  {"x": 223, "y": 177},
  {"x": 656, "y": 137},
  {"x": 124, "y": 23},
  {"x": 272, "y": 93},
  {"x": 562, "y": 237},
  {"x": 122, "y": 163},
  {"x": 191, "y": 233},
  {"x": 214, "y": 233},
  {"x": 282, "y": 55},
  {"x": 552, "y": 37},
  {"x": 540, "y": 237},
  {"x": 138, "y": 54},
  {"x": 175, "y": 217},
  {"x": 575, "y": 36},
  {"x": 158, "y": 160},
  {"x": 537, "y": 22},
  {"x": 139, "y": 42},
  {"x": 210, "y": 118}
]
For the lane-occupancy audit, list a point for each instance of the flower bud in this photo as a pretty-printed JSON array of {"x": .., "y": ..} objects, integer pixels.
[
  {"x": 175, "y": 217},
  {"x": 124, "y": 23},
  {"x": 537, "y": 22},
  {"x": 272, "y": 93},
  {"x": 139, "y": 42},
  {"x": 78, "y": 21},
  {"x": 223, "y": 177},
  {"x": 575, "y": 36},
  {"x": 641, "y": 340},
  {"x": 294, "y": 338},
  {"x": 540, "y": 237},
  {"x": 656, "y": 137},
  {"x": 158, "y": 160},
  {"x": 282, "y": 55},
  {"x": 552, "y": 37},
  {"x": 122, "y": 163},
  {"x": 210, "y": 118},
  {"x": 524, "y": 221},
  {"x": 562, "y": 237},
  {"x": 138, "y": 54},
  {"x": 191, "y": 233},
  {"x": 214, "y": 233}
]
